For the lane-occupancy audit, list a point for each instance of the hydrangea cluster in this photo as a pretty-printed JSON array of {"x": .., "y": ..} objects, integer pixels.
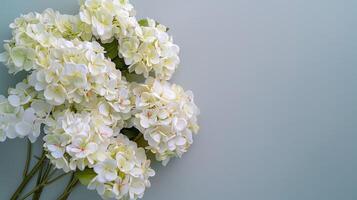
[
  {"x": 145, "y": 45},
  {"x": 166, "y": 115},
  {"x": 34, "y": 36},
  {"x": 78, "y": 94},
  {"x": 22, "y": 113},
  {"x": 125, "y": 171}
]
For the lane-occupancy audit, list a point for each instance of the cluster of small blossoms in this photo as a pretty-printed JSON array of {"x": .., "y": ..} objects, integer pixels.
[
  {"x": 76, "y": 93},
  {"x": 34, "y": 36},
  {"x": 109, "y": 18},
  {"x": 76, "y": 140},
  {"x": 78, "y": 135},
  {"x": 76, "y": 70},
  {"x": 151, "y": 50},
  {"x": 166, "y": 115},
  {"x": 125, "y": 171},
  {"x": 22, "y": 113},
  {"x": 84, "y": 140},
  {"x": 145, "y": 46}
]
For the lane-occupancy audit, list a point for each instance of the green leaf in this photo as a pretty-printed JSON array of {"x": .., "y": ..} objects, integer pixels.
[
  {"x": 112, "y": 53},
  {"x": 131, "y": 133},
  {"x": 85, "y": 176},
  {"x": 111, "y": 49},
  {"x": 143, "y": 22},
  {"x": 120, "y": 63}
]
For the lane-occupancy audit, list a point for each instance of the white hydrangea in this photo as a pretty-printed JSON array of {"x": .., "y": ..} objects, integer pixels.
[
  {"x": 150, "y": 50},
  {"x": 77, "y": 137},
  {"x": 22, "y": 113},
  {"x": 145, "y": 48},
  {"x": 35, "y": 34},
  {"x": 167, "y": 116},
  {"x": 125, "y": 173},
  {"x": 77, "y": 70},
  {"x": 76, "y": 94},
  {"x": 108, "y": 18}
]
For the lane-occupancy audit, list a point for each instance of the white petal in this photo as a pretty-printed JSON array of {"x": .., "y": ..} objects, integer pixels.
[
  {"x": 92, "y": 147},
  {"x": 137, "y": 187},
  {"x": 104, "y": 109},
  {"x": 180, "y": 141},
  {"x": 4, "y": 57},
  {"x": 11, "y": 132},
  {"x": 168, "y": 93},
  {"x": 23, "y": 128},
  {"x": 29, "y": 115},
  {"x": 156, "y": 137},
  {"x": 111, "y": 176},
  {"x": 14, "y": 100},
  {"x": 144, "y": 123},
  {"x": 171, "y": 145},
  {"x": 106, "y": 131},
  {"x": 180, "y": 124}
]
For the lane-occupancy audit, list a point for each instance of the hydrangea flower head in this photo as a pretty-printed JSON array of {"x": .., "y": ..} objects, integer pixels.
[{"x": 96, "y": 120}]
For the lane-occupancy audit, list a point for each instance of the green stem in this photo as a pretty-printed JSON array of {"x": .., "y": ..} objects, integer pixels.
[
  {"x": 69, "y": 188},
  {"x": 47, "y": 170},
  {"x": 38, "y": 181},
  {"x": 28, "y": 177},
  {"x": 41, "y": 178},
  {"x": 70, "y": 181},
  {"x": 138, "y": 137},
  {"x": 28, "y": 159},
  {"x": 45, "y": 183}
]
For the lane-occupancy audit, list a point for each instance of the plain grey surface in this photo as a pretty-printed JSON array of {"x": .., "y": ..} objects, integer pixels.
[{"x": 276, "y": 82}]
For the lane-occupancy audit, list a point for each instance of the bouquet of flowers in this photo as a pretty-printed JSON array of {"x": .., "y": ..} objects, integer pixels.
[{"x": 97, "y": 94}]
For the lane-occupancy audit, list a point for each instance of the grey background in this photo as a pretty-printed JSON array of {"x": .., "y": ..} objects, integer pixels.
[{"x": 276, "y": 82}]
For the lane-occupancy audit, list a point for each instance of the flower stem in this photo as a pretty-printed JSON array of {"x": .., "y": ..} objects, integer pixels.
[
  {"x": 41, "y": 178},
  {"x": 28, "y": 177},
  {"x": 45, "y": 183},
  {"x": 69, "y": 188},
  {"x": 138, "y": 137},
  {"x": 28, "y": 159},
  {"x": 38, "y": 181}
]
